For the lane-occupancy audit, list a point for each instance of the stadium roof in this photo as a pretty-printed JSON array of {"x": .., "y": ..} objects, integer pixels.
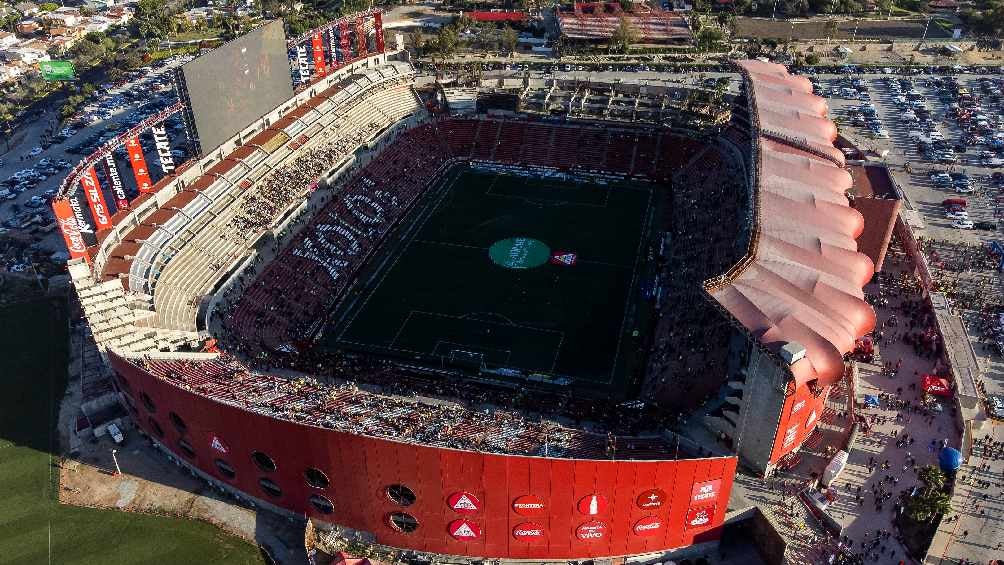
[
  {"x": 802, "y": 279},
  {"x": 597, "y": 21}
]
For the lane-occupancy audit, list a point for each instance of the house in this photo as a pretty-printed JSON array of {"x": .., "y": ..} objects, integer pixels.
[
  {"x": 7, "y": 40},
  {"x": 11, "y": 71},
  {"x": 196, "y": 15},
  {"x": 26, "y": 55},
  {"x": 27, "y": 8},
  {"x": 27, "y": 27},
  {"x": 96, "y": 24},
  {"x": 64, "y": 16},
  {"x": 119, "y": 15}
]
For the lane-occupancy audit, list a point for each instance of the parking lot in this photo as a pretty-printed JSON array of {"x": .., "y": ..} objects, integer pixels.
[{"x": 31, "y": 172}]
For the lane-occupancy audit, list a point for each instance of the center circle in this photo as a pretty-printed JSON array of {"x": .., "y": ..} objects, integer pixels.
[{"x": 519, "y": 253}]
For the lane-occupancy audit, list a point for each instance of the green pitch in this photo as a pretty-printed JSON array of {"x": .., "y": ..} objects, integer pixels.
[{"x": 470, "y": 281}]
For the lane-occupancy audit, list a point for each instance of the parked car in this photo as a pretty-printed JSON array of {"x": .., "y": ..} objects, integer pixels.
[
  {"x": 986, "y": 226},
  {"x": 963, "y": 225},
  {"x": 995, "y": 406}
]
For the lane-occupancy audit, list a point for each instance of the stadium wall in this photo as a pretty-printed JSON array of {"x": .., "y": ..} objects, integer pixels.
[{"x": 361, "y": 468}]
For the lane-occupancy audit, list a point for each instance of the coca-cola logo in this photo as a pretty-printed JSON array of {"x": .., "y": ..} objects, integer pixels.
[
  {"x": 648, "y": 526},
  {"x": 71, "y": 233},
  {"x": 528, "y": 505},
  {"x": 591, "y": 531},
  {"x": 528, "y": 531}
]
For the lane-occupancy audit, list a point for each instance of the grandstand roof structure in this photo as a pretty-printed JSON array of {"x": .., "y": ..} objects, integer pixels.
[
  {"x": 802, "y": 278},
  {"x": 596, "y": 21}
]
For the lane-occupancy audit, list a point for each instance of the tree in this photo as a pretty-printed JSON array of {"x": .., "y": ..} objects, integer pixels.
[
  {"x": 624, "y": 36},
  {"x": 151, "y": 20},
  {"x": 48, "y": 6},
  {"x": 510, "y": 39},
  {"x": 931, "y": 500},
  {"x": 417, "y": 41},
  {"x": 707, "y": 38},
  {"x": 447, "y": 40}
]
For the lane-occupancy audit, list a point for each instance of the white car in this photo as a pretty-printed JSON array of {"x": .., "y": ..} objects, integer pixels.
[
  {"x": 964, "y": 189},
  {"x": 35, "y": 151},
  {"x": 963, "y": 225},
  {"x": 957, "y": 215},
  {"x": 936, "y": 135},
  {"x": 881, "y": 133}
]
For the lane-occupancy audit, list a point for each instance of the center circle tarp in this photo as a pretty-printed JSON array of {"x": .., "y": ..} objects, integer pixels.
[{"x": 519, "y": 253}]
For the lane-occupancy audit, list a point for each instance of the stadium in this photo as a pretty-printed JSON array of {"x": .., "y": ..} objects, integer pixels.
[{"x": 533, "y": 321}]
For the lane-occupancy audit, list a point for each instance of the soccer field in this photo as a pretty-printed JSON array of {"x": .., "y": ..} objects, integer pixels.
[
  {"x": 503, "y": 271},
  {"x": 34, "y": 527}
]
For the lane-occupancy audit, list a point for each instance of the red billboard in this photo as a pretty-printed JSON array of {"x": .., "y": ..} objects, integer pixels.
[
  {"x": 378, "y": 29},
  {"x": 99, "y": 209},
  {"x": 361, "y": 49},
  {"x": 139, "y": 169},
  {"x": 68, "y": 225},
  {"x": 343, "y": 41},
  {"x": 317, "y": 45}
]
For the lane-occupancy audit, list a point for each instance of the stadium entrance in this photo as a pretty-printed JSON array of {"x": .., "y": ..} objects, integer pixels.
[{"x": 514, "y": 275}]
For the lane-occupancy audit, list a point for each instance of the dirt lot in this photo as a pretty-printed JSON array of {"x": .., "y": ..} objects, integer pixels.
[
  {"x": 151, "y": 484},
  {"x": 819, "y": 29}
]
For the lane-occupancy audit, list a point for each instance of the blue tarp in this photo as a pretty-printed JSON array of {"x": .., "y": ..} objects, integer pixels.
[
  {"x": 949, "y": 459},
  {"x": 871, "y": 400}
]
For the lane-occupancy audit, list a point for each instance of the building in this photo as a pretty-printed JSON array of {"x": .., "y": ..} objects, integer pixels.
[
  {"x": 596, "y": 22},
  {"x": 7, "y": 40},
  {"x": 66, "y": 17}
]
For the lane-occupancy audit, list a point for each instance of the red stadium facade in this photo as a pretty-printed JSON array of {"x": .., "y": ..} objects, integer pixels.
[{"x": 503, "y": 506}]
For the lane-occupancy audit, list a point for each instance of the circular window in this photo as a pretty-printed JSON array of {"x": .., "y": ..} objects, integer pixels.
[
  {"x": 270, "y": 488},
  {"x": 186, "y": 448},
  {"x": 402, "y": 522},
  {"x": 179, "y": 424},
  {"x": 400, "y": 494},
  {"x": 156, "y": 428},
  {"x": 316, "y": 478},
  {"x": 147, "y": 402},
  {"x": 225, "y": 469},
  {"x": 263, "y": 462},
  {"x": 322, "y": 504}
]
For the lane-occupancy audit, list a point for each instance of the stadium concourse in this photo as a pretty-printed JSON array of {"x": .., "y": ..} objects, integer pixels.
[{"x": 209, "y": 304}]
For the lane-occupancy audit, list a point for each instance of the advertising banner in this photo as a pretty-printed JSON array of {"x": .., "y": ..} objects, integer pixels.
[
  {"x": 112, "y": 174},
  {"x": 361, "y": 49},
  {"x": 317, "y": 44},
  {"x": 99, "y": 209},
  {"x": 332, "y": 42},
  {"x": 163, "y": 145},
  {"x": 83, "y": 219},
  {"x": 303, "y": 63},
  {"x": 343, "y": 40},
  {"x": 143, "y": 181},
  {"x": 56, "y": 70},
  {"x": 68, "y": 225},
  {"x": 378, "y": 29}
]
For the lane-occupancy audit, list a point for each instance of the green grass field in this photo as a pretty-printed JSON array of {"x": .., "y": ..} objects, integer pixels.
[
  {"x": 445, "y": 295},
  {"x": 34, "y": 528}
]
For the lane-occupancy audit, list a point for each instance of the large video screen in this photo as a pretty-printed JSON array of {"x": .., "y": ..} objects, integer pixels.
[{"x": 237, "y": 83}]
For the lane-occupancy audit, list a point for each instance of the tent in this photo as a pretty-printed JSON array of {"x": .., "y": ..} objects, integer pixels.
[
  {"x": 834, "y": 467},
  {"x": 935, "y": 385},
  {"x": 949, "y": 459},
  {"x": 871, "y": 400}
]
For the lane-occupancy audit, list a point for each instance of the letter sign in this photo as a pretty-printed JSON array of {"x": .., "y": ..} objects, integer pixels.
[
  {"x": 591, "y": 531},
  {"x": 651, "y": 499},
  {"x": 593, "y": 504},
  {"x": 648, "y": 526},
  {"x": 528, "y": 531},
  {"x": 528, "y": 505},
  {"x": 464, "y": 503},
  {"x": 464, "y": 530},
  {"x": 706, "y": 491}
]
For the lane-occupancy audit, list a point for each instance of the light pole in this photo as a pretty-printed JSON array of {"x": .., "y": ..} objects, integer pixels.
[{"x": 116, "y": 461}]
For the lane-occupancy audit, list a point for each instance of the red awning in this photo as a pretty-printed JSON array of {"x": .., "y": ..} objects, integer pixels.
[{"x": 935, "y": 385}]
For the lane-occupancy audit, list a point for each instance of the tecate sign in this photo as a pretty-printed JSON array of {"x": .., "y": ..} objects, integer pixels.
[
  {"x": 528, "y": 505},
  {"x": 528, "y": 531},
  {"x": 464, "y": 503},
  {"x": 700, "y": 517},
  {"x": 594, "y": 530},
  {"x": 464, "y": 530},
  {"x": 650, "y": 499},
  {"x": 648, "y": 526}
]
